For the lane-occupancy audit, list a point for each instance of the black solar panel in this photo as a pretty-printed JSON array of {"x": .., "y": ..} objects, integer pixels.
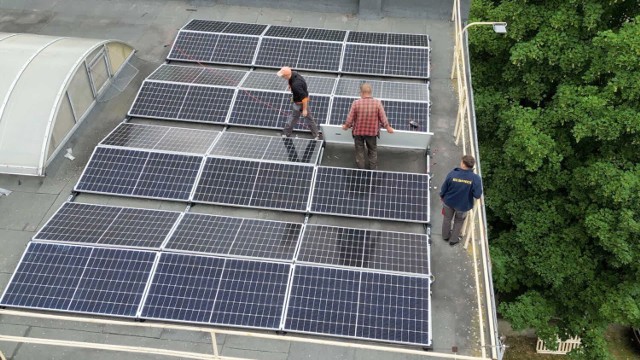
[
  {"x": 394, "y": 308},
  {"x": 206, "y": 104},
  {"x": 221, "y": 235},
  {"x": 326, "y": 35},
  {"x": 358, "y": 304},
  {"x": 375, "y": 194},
  {"x": 251, "y": 294},
  {"x": 319, "y": 56},
  {"x": 277, "y": 52},
  {"x": 340, "y": 110},
  {"x": 258, "y": 147},
  {"x": 197, "y": 75},
  {"x": 176, "y": 73},
  {"x": 140, "y": 173},
  {"x": 217, "y": 76},
  {"x": 367, "y": 37},
  {"x": 254, "y": 184},
  {"x": 407, "y": 62},
  {"x": 323, "y": 301},
  {"x": 266, "y": 109},
  {"x": 159, "y": 100},
  {"x": 368, "y": 249},
  {"x": 364, "y": 59},
  {"x": 233, "y": 49},
  {"x": 206, "y": 25},
  {"x": 290, "y": 32},
  {"x": 108, "y": 225},
  {"x": 244, "y": 28},
  {"x": 408, "y": 39},
  {"x": 183, "y": 288},
  {"x": 79, "y": 279},
  {"x": 217, "y": 291},
  {"x": 193, "y": 46},
  {"x": 155, "y": 137}
]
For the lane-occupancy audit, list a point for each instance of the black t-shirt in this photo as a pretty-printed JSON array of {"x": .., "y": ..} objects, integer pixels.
[{"x": 298, "y": 87}]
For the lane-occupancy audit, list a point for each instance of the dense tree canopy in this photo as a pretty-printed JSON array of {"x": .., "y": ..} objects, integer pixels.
[{"x": 558, "y": 111}]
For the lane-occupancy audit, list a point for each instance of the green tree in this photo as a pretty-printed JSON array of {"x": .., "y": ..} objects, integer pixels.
[{"x": 558, "y": 110}]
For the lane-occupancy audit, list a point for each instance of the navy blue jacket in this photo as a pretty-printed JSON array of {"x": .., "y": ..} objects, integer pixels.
[{"x": 459, "y": 189}]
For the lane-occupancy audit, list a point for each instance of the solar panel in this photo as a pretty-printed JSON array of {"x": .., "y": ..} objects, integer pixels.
[
  {"x": 363, "y": 37},
  {"x": 193, "y": 46},
  {"x": 217, "y": 291},
  {"x": 394, "y": 308},
  {"x": 290, "y": 32},
  {"x": 408, "y": 39},
  {"x": 407, "y": 62},
  {"x": 156, "y": 137},
  {"x": 206, "y": 104},
  {"x": 323, "y": 301},
  {"x": 244, "y": 28},
  {"x": 183, "y": 288},
  {"x": 221, "y": 235},
  {"x": 277, "y": 52},
  {"x": 139, "y": 173},
  {"x": 365, "y": 249},
  {"x": 159, "y": 100},
  {"x": 319, "y": 56},
  {"x": 251, "y": 294},
  {"x": 357, "y": 304},
  {"x": 364, "y": 59},
  {"x": 79, "y": 279},
  {"x": 386, "y": 60},
  {"x": 387, "y": 90},
  {"x": 325, "y": 34},
  {"x": 234, "y": 49},
  {"x": 197, "y": 75},
  {"x": 259, "y": 147},
  {"x": 206, "y": 25},
  {"x": 254, "y": 184},
  {"x": 176, "y": 73},
  {"x": 108, "y": 225},
  {"x": 375, "y": 194},
  {"x": 266, "y": 109}
]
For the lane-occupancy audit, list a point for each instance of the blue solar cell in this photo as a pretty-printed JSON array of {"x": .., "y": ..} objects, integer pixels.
[
  {"x": 400, "y": 196},
  {"x": 183, "y": 288},
  {"x": 168, "y": 176},
  {"x": 364, "y": 59},
  {"x": 205, "y": 234},
  {"x": 206, "y": 25},
  {"x": 278, "y": 52},
  {"x": 47, "y": 276},
  {"x": 341, "y": 191},
  {"x": 227, "y": 181},
  {"x": 159, "y": 100},
  {"x": 251, "y": 294},
  {"x": 113, "y": 171},
  {"x": 394, "y": 308},
  {"x": 206, "y": 104},
  {"x": 193, "y": 46},
  {"x": 323, "y": 301},
  {"x": 233, "y": 49},
  {"x": 282, "y": 186},
  {"x": 113, "y": 282},
  {"x": 81, "y": 279},
  {"x": 79, "y": 223}
]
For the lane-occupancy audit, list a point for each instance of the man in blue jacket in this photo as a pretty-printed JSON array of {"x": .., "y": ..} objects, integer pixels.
[{"x": 457, "y": 193}]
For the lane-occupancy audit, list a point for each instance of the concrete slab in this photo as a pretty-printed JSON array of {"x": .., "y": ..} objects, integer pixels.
[
  {"x": 9, "y": 348},
  {"x": 249, "y": 343},
  {"x": 24, "y": 210},
  {"x": 13, "y": 247},
  {"x": 252, "y": 354},
  {"x": 300, "y": 351}
]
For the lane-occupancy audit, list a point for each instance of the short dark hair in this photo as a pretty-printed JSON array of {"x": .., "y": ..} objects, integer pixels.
[{"x": 469, "y": 161}]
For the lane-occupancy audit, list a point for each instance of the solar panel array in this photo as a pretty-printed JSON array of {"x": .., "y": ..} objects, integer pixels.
[
  {"x": 272, "y": 46},
  {"x": 262, "y": 100},
  {"x": 229, "y": 271}
]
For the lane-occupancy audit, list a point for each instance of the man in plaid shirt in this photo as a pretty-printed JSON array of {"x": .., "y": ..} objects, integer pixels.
[{"x": 366, "y": 117}]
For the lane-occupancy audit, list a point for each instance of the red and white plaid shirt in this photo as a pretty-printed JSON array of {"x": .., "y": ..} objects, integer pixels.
[{"x": 366, "y": 117}]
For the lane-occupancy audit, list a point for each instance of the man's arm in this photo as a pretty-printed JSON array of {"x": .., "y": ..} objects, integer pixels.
[
  {"x": 382, "y": 118},
  {"x": 445, "y": 186},
  {"x": 353, "y": 114},
  {"x": 304, "y": 106},
  {"x": 477, "y": 187}
]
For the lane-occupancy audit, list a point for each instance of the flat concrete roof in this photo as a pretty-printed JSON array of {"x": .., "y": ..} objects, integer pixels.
[{"x": 150, "y": 27}]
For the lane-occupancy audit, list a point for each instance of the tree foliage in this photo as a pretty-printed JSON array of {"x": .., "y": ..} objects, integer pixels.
[{"x": 558, "y": 110}]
